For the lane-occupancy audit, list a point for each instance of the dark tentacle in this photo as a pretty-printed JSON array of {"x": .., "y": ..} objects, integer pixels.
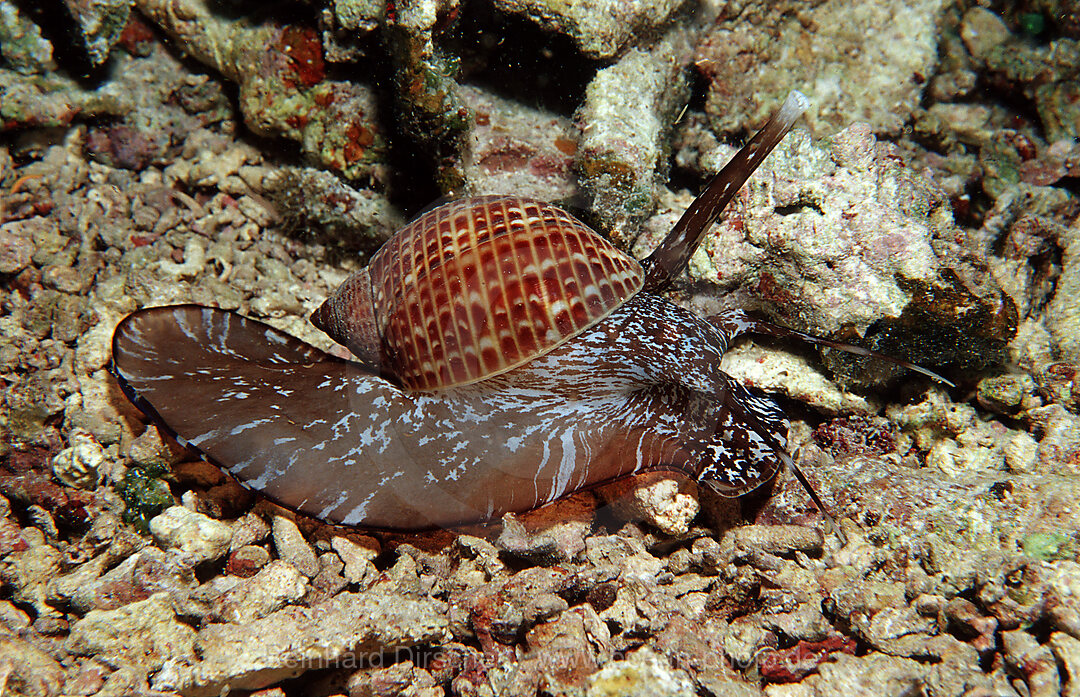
[
  {"x": 672, "y": 255},
  {"x": 749, "y": 416},
  {"x": 736, "y": 322}
]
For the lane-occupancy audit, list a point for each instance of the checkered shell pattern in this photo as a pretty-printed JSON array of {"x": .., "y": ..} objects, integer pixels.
[{"x": 476, "y": 287}]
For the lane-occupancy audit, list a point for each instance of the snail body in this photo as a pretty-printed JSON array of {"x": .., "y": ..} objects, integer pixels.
[
  {"x": 508, "y": 356},
  {"x": 513, "y": 442}
]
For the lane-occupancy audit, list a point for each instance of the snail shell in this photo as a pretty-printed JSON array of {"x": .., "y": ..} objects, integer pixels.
[{"x": 477, "y": 287}]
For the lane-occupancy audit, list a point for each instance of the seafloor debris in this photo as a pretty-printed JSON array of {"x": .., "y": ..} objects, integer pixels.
[
  {"x": 515, "y": 148},
  {"x": 22, "y": 46},
  {"x": 284, "y": 89},
  {"x": 29, "y": 101},
  {"x": 846, "y": 238},
  {"x": 128, "y": 568},
  {"x": 622, "y": 154},
  {"x": 100, "y": 24},
  {"x": 865, "y": 62},
  {"x": 601, "y": 29},
  {"x": 430, "y": 106}
]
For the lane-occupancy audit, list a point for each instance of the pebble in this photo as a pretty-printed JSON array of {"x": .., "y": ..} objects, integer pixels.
[
  {"x": 357, "y": 558},
  {"x": 195, "y": 534},
  {"x": 1066, "y": 650},
  {"x": 982, "y": 31},
  {"x": 140, "y": 575},
  {"x": 293, "y": 548},
  {"x": 773, "y": 539},
  {"x": 249, "y": 529},
  {"x": 402, "y": 678},
  {"x": 642, "y": 674},
  {"x": 16, "y": 250},
  {"x": 88, "y": 678},
  {"x": 551, "y": 534},
  {"x": 28, "y": 573},
  {"x": 27, "y": 670},
  {"x": 278, "y": 584},
  {"x": 627, "y": 554},
  {"x": 1021, "y": 453},
  {"x": 150, "y": 451},
  {"x": 873, "y": 674},
  {"x": 668, "y": 504},
  {"x": 78, "y": 465},
  {"x": 1034, "y": 661},
  {"x": 247, "y": 560},
  {"x": 1063, "y": 584},
  {"x": 367, "y": 626},
  {"x": 12, "y": 617},
  {"x": 145, "y": 633}
]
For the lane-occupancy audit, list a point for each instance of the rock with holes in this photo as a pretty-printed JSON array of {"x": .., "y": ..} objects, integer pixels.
[{"x": 841, "y": 237}]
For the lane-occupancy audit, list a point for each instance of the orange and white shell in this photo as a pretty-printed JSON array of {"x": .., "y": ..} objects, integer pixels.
[{"x": 476, "y": 287}]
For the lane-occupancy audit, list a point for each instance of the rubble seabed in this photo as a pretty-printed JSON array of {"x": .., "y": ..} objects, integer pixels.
[{"x": 241, "y": 161}]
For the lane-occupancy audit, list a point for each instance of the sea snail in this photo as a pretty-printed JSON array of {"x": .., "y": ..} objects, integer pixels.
[{"x": 508, "y": 356}]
